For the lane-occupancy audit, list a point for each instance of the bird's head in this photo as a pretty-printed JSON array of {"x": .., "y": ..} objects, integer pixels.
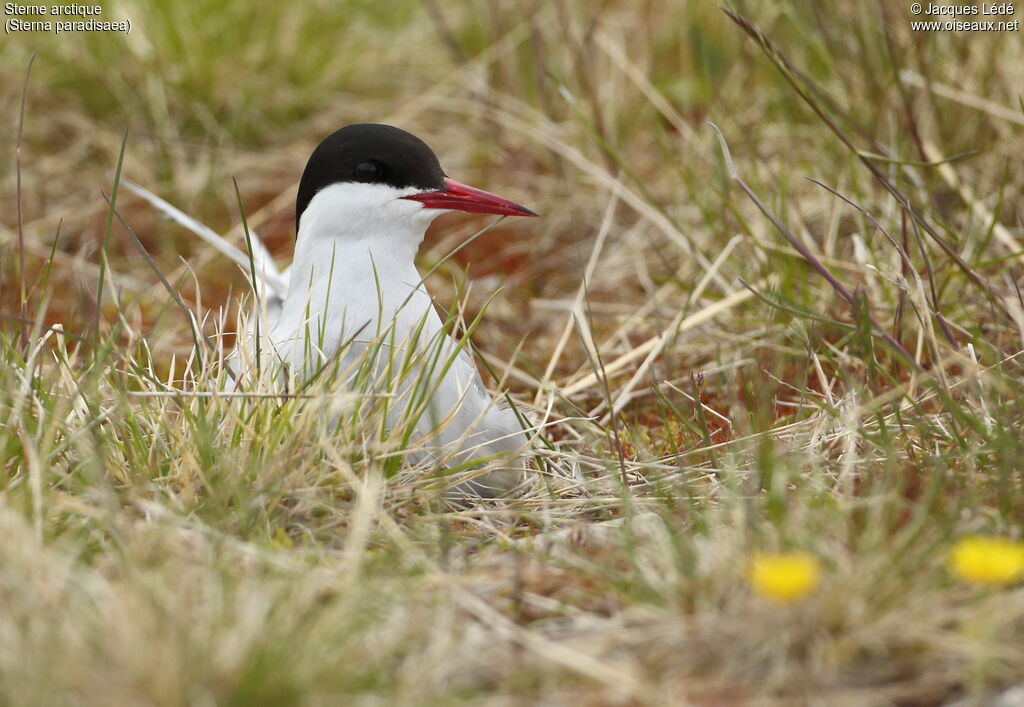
[{"x": 369, "y": 178}]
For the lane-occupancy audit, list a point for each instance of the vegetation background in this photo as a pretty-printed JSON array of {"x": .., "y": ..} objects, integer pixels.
[{"x": 709, "y": 395}]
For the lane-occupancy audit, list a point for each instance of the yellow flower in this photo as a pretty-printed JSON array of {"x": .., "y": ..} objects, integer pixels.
[
  {"x": 987, "y": 560},
  {"x": 784, "y": 577}
]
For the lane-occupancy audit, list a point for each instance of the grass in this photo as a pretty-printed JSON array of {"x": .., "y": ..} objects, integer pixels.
[{"x": 798, "y": 331}]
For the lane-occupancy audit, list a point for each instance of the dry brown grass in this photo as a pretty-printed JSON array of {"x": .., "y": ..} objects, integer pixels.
[{"x": 170, "y": 548}]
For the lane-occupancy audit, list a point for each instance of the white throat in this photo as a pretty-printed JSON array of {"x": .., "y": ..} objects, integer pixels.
[
  {"x": 353, "y": 272},
  {"x": 352, "y": 211}
]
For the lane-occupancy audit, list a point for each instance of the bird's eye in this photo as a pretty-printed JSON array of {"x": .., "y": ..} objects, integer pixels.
[{"x": 369, "y": 172}]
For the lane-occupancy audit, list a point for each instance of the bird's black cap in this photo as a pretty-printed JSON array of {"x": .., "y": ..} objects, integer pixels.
[{"x": 369, "y": 152}]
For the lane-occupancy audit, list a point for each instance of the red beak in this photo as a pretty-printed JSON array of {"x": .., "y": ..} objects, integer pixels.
[{"x": 459, "y": 197}]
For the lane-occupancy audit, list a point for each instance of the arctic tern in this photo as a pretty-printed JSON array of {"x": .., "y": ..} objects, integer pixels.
[{"x": 353, "y": 301}]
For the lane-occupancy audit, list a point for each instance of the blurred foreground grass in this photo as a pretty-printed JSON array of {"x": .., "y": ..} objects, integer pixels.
[{"x": 161, "y": 547}]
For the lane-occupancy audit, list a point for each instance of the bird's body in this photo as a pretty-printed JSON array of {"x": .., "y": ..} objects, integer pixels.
[
  {"x": 356, "y": 304},
  {"x": 353, "y": 284}
]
